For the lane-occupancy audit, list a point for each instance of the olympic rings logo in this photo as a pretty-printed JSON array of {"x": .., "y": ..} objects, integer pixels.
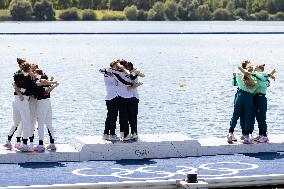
[{"x": 222, "y": 168}]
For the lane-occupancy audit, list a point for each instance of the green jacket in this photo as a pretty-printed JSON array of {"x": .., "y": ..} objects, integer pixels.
[
  {"x": 262, "y": 82},
  {"x": 241, "y": 83}
]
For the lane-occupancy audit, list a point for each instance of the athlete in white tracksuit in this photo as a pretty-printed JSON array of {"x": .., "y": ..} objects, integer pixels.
[
  {"x": 21, "y": 110},
  {"x": 44, "y": 115},
  {"x": 33, "y": 106}
]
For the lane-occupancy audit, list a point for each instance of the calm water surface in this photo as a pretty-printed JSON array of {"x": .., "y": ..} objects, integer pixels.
[{"x": 204, "y": 63}]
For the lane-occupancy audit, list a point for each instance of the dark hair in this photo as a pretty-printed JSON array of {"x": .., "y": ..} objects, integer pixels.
[
  {"x": 245, "y": 63},
  {"x": 26, "y": 67},
  {"x": 20, "y": 60},
  {"x": 130, "y": 65},
  {"x": 113, "y": 63},
  {"x": 123, "y": 62},
  {"x": 261, "y": 67},
  {"x": 39, "y": 72}
]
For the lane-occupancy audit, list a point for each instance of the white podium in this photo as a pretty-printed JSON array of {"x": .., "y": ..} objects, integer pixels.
[{"x": 147, "y": 146}]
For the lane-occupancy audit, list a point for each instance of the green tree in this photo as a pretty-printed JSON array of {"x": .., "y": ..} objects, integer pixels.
[
  {"x": 230, "y": 6},
  {"x": 249, "y": 6},
  {"x": 100, "y": 4},
  {"x": 85, "y": 4},
  {"x": 222, "y": 14},
  {"x": 270, "y": 4},
  {"x": 33, "y": 2},
  {"x": 258, "y": 5},
  {"x": 43, "y": 10},
  {"x": 262, "y": 15},
  {"x": 64, "y": 4},
  {"x": 142, "y": 4},
  {"x": 203, "y": 12},
  {"x": 116, "y": 4},
  {"x": 157, "y": 12},
  {"x": 279, "y": 16},
  {"x": 171, "y": 9},
  {"x": 182, "y": 9},
  {"x": 21, "y": 10},
  {"x": 88, "y": 14},
  {"x": 279, "y": 4},
  {"x": 241, "y": 3},
  {"x": 242, "y": 13},
  {"x": 215, "y": 4},
  {"x": 131, "y": 13},
  {"x": 142, "y": 15},
  {"x": 69, "y": 14},
  {"x": 192, "y": 10},
  {"x": 4, "y": 4}
]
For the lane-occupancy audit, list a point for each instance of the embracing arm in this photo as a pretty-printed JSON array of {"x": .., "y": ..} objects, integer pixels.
[
  {"x": 121, "y": 80},
  {"x": 135, "y": 85},
  {"x": 17, "y": 90}
]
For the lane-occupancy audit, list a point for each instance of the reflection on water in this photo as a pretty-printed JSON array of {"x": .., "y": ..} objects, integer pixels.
[{"x": 203, "y": 64}]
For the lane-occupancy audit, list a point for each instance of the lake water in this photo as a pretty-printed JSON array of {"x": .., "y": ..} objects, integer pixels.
[{"x": 204, "y": 63}]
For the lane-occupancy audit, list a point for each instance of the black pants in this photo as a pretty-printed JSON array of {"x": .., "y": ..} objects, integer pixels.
[
  {"x": 132, "y": 114},
  {"x": 124, "y": 109},
  {"x": 260, "y": 109},
  {"x": 112, "y": 113}
]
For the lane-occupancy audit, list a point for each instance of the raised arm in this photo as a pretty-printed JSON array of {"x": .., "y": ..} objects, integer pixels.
[
  {"x": 248, "y": 74},
  {"x": 137, "y": 72},
  {"x": 45, "y": 82},
  {"x": 52, "y": 87},
  {"x": 271, "y": 74}
]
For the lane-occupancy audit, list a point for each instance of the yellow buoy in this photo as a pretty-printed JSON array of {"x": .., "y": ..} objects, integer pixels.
[
  {"x": 23, "y": 49},
  {"x": 93, "y": 65},
  {"x": 181, "y": 85}
]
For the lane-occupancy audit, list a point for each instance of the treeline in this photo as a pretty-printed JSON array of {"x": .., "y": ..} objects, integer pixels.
[{"x": 145, "y": 9}]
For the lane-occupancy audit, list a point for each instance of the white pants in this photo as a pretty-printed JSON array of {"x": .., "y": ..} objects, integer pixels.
[
  {"x": 33, "y": 105},
  {"x": 44, "y": 117},
  {"x": 21, "y": 112}
]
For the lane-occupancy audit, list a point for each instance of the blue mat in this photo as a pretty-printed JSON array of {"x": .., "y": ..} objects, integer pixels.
[{"x": 139, "y": 170}]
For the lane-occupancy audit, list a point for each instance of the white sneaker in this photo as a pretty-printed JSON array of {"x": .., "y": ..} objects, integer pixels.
[
  {"x": 231, "y": 138},
  {"x": 263, "y": 139},
  {"x": 257, "y": 138},
  {"x": 243, "y": 137},
  {"x": 128, "y": 137},
  {"x": 134, "y": 136},
  {"x": 51, "y": 147},
  {"x": 8, "y": 145},
  {"x": 31, "y": 145},
  {"x": 113, "y": 138},
  {"x": 39, "y": 148},
  {"x": 18, "y": 145},
  {"x": 26, "y": 148},
  {"x": 105, "y": 137},
  {"x": 121, "y": 136},
  {"x": 248, "y": 140}
]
